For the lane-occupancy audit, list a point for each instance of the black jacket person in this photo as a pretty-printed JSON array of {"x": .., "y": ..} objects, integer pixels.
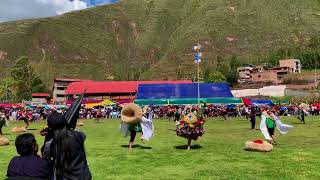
[{"x": 65, "y": 149}]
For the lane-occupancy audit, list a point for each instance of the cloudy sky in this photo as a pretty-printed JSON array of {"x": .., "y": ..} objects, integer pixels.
[{"x": 25, "y": 9}]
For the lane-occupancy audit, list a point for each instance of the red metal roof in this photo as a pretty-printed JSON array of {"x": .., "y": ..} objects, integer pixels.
[
  {"x": 113, "y": 86},
  {"x": 40, "y": 95}
]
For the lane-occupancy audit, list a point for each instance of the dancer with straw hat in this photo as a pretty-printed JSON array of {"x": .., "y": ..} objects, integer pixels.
[{"x": 134, "y": 120}]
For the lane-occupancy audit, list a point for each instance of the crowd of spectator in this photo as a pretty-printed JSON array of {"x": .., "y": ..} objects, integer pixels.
[{"x": 168, "y": 112}]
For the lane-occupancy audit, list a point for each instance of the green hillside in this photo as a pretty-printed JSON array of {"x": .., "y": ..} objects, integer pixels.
[{"x": 153, "y": 39}]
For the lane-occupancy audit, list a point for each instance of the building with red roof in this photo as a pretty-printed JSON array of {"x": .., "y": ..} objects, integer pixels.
[
  {"x": 40, "y": 97},
  {"x": 59, "y": 87},
  {"x": 120, "y": 91}
]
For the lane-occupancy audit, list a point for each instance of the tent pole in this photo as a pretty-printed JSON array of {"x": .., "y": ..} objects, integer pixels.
[{"x": 198, "y": 84}]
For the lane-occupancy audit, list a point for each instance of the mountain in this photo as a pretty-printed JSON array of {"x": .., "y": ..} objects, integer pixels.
[{"x": 154, "y": 39}]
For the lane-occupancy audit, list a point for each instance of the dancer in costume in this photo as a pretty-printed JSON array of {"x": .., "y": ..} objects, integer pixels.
[
  {"x": 3, "y": 122},
  {"x": 269, "y": 121},
  {"x": 302, "y": 114},
  {"x": 25, "y": 119},
  {"x": 253, "y": 114},
  {"x": 190, "y": 127},
  {"x": 135, "y": 120}
]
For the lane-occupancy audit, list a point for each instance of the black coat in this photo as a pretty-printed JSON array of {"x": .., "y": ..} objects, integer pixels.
[{"x": 78, "y": 168}]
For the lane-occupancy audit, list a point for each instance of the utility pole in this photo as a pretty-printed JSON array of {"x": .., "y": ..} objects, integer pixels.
[
  {"x": 6, "y": 90},
  {"x": 197, "y": 59},
  {"x": 315, "y": 76}
]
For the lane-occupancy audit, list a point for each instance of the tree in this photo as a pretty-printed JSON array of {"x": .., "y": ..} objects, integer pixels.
[
  {"x": 206, "y": 74},
  {"x": 26, "y": 80},
  {"x": 216, "y": 76},
  {"x": 234, "y": 62},
  {"x": 7, "y": 89}
]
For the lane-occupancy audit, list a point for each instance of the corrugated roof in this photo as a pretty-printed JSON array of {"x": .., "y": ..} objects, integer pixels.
[{"x": 113, "y": 86}]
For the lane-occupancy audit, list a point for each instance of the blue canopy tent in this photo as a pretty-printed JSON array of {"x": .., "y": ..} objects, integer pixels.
[
  {"x": 262, "y": 102},
  {"x": 176, "y": 94},
  {"x": 170, "y": 91}
]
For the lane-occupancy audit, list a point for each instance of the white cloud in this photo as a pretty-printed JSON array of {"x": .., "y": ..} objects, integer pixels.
[{"x": 24, "y": 9}]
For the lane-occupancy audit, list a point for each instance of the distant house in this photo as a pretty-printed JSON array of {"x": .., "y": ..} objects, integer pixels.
[
  {"x": 244, "y": 73},
  {"x": 59, "y": 87},
  {"x": 274, "y": 75},
  {"x": 40, "y": 97},
  {"x": 264, "y": 74},
  {"x": 293, "y": 64}
]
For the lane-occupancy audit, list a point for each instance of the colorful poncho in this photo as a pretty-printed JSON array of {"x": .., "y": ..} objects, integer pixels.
[{"x": 190, "y": 129}]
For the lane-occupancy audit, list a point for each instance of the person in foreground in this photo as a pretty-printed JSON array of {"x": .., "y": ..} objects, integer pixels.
[
  {"x": 64, "y": 146},
  {"x": 28, "y": 165},
  {"x": 65, "y": 150}
]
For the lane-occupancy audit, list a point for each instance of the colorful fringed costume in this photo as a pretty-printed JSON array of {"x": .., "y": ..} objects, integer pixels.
[{"x": 190, "y": 127}]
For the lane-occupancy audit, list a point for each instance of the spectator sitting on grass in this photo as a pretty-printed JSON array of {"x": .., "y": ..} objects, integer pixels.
[{"x": 28, "y": 165}]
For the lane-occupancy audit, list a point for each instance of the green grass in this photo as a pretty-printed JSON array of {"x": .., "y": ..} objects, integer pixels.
[{"x": 218, "y": 154}]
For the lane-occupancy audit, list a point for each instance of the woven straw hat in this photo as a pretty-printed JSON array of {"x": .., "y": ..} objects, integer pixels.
[
  {"x": 190, "y": 118},
  {"x": 305, "y": 106},
  {"x": 258, "y": 145},
  {"x": 145, "y": 109},
  {"x": 131, "y": 114},
  {"x": 18, "y": 129},
  {"x": 4, "y": 141}
]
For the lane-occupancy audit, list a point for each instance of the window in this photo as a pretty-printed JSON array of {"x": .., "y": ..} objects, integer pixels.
[
  {"x": 61, "y": 95},
  {"x": 61, "y": 88}
]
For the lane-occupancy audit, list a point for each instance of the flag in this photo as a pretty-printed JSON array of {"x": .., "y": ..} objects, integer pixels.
[
  {"x": 72, "y": 113},
  {"x": 282, "y": 128},
  {"x": 263, "y": 126},
  {"x": 197, "y": 57}
]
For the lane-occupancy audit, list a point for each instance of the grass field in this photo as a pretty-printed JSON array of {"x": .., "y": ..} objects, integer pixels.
[{"x": 218, "y": 154}]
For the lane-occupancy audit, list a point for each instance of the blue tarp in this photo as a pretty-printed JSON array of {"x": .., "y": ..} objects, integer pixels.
[
  {"x": 262, "y": 102},
  {"x": 176, "y": 91}
]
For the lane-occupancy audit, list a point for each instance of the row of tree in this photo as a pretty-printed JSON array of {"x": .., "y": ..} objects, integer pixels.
[
  {"x": 308, "y": 55},
  {"x": 22, "y": 82},
  {"x": 226, "y": 71}
]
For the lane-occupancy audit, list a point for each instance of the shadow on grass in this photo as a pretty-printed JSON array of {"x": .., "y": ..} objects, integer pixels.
[
  {"x": 32, "y": 129},
  {"x": 297, "y": 123},
  {"x": 172, "y": 129},
  {"x": 136, "y": 146},
  {"x": 186, "y": 146}
]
